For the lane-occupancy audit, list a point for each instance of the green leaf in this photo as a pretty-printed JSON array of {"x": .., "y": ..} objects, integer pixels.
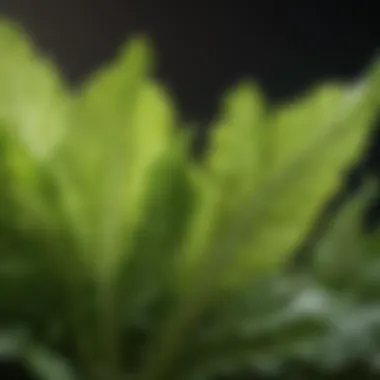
[
  {"x": 33, "y": 98},
  {"x": 122, "y": 125},
  {"x": 305, "y": 170},
  {"x": 161, "y": 232},
  {"x": 275, "y": 319},
  {"x": 34, "y": 108},
  {"x": 232, "y": 169},
  {"x": 47, "y": 365},
  {"x": 343, "y": 249},
  {"x": 120, "y": 137},
  {"x": 257, "y": 235},
  {"x": 12, "y": 342}
]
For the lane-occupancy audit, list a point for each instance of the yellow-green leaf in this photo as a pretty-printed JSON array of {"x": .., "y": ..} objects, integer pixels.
[
  {"x": 34, "y": 107},
  {"x": 121, "y": 127}
]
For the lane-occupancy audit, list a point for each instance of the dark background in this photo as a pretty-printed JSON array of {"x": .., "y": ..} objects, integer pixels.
[{"x": 204, "y": 46}]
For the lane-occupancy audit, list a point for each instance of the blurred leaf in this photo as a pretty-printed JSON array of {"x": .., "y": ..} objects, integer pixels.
[
  {"x": 271, "y": 221},
  {"x": 231, "y": 171},
  {"x": 343, "y": 248},
  {"x": 338, "y": 123},
  {"x": 34, "y": 106},
  {"x": 122, "y": 126},
  {"x": 159, "y": 236},
  {"x": 46, "y": 365},
  {"x": 33, "y": 98},
  {"x": 299, "y": 154},
  {"x": 12, "y": 342},
  {"x": 105, "y": 221},
  {"x": 269, "y": 322}
]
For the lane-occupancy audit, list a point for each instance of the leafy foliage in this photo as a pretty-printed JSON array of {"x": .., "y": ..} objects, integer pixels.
[{"x": 150, "y": 266}]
